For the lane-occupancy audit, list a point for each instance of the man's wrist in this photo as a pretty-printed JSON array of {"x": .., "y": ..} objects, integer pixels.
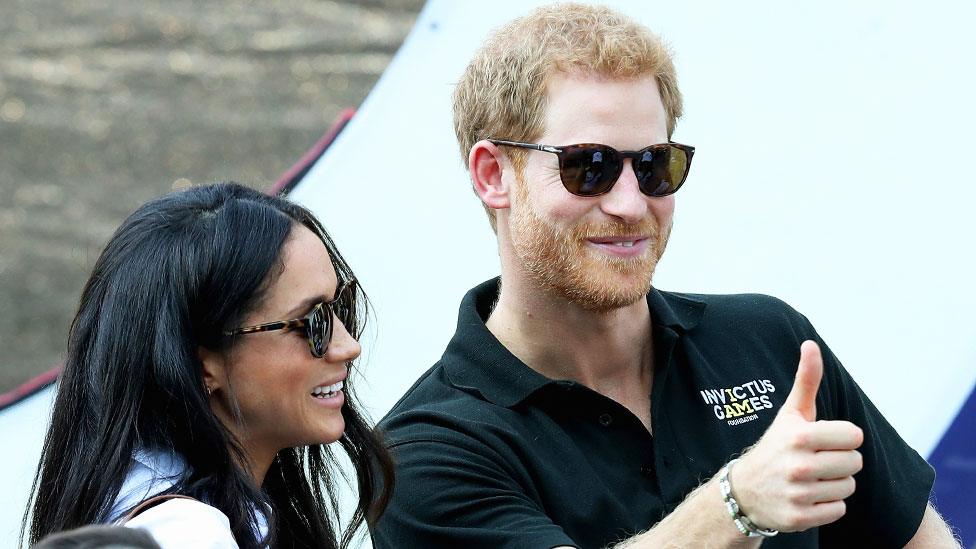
[{"x": 743, "y": 523}]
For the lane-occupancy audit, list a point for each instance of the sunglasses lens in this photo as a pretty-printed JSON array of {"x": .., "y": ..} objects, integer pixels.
[
  {"x": 321, "y": 322},
  {"x": 319, "y": 330},
  {"x": 661, "y": 169},
  {"x": 589, "y": 170},
  {"x": 344, "y": 306}
]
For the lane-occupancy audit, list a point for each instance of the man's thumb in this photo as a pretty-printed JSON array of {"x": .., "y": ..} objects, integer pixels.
[{"x": 803, "y": 397}]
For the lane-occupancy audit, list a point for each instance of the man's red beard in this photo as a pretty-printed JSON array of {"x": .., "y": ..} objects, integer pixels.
[{"x": 562, "y": 262}]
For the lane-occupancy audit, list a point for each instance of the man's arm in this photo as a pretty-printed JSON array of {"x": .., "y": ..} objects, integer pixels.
[
  {"x": 933, "y": 532},
  {"x": 700, "y": 521},
  {"x": 795, "y": 478},
  {"x": 451, "y": 492}
]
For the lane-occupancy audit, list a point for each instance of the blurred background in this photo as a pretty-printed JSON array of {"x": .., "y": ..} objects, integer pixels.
[
  {"x": 833, "y": 171},
  {"x": 104, "y": 105}
]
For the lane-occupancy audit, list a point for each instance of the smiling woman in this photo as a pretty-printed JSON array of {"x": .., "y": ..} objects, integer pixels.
[{"x": 210, "y": 359}]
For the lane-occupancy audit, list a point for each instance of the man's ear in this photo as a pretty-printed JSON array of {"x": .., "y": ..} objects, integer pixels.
[
  {"x": 214, "y": 369},
  {"x": 486, "y": 163}
]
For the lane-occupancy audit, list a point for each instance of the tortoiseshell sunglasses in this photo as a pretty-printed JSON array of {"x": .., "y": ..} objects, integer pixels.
[{"x": 318, "y": 323}]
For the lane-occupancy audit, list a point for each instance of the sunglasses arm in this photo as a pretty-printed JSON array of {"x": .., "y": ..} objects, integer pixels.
[{"x": 534, "y": 146}]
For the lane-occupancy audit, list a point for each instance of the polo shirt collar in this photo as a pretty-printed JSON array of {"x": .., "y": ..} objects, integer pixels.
[
  {"x": 677, "y": 311},
  {"x": 476, "y": 360}
]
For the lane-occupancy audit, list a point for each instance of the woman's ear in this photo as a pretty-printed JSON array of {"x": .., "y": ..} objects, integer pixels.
[
  {"x": 486, "y": 163},
  {"x": 214, "y": 369}
]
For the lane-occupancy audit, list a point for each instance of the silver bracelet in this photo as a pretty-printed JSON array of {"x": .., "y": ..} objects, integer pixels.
[{"x": 743, "y": 523}]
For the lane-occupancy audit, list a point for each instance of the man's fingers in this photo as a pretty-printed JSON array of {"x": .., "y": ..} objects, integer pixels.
[
  {"x": 822, "y": 491},
  {"x": 806, "y": 516},
  {"x": 826, "y": 465},
  {"x": 825, "y": 513},
  {"x": 829, "y": 435},
  {"x": 834, "y": 490},
  {"x": 837, "y": 464},
  {"x": 803, "y": 397}
]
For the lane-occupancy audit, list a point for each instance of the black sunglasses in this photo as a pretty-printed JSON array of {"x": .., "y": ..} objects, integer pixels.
[
  {"x": 318, "y": 323},
  {"x": 591, "y": 169}
]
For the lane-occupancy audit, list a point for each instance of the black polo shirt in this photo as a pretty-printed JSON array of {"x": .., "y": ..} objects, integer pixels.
[{"x": 491, "y": 453}]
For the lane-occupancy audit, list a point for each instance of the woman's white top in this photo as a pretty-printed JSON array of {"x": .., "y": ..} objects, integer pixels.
[
  {"x": 186, "y": 523},
  {"x": 175, "y": 523}
]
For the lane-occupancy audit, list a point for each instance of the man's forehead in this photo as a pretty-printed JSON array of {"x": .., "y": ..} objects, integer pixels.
[
  {"x": 567, "y": 81},
  {"x": 586, "y": 103}
]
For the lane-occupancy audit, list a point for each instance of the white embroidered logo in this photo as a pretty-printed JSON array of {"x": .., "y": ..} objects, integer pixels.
[{"x": 742, "y": 403}]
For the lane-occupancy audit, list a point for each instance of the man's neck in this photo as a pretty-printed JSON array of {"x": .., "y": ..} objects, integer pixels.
[{"x": 609, "y": 352}]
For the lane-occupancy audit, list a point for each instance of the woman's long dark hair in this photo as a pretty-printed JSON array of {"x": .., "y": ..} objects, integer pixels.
[{"x": 179, "y": 273}]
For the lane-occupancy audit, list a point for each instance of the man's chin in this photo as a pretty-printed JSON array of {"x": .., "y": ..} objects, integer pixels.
[
  {"x": 608, "y": 304},
  {"x": 608, "y": 291}
]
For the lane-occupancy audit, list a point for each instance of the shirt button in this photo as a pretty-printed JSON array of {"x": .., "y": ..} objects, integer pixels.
[{"x": 606, "y": 420}]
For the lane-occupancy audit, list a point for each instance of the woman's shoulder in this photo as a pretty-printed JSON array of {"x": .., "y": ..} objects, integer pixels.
[
  {"x": 184, "y": 522},
  {"x": 176, "y": 522},
  {"x": 150, "y": 472}
]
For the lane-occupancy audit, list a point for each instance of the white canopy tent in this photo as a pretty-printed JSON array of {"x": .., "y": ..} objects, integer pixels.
[{"x": 832, "y": 171}]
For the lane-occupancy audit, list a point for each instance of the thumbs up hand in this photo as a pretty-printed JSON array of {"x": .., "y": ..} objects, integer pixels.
[
  {"x": 798, "y": 474},
  {"x": 802, "y": 399}
]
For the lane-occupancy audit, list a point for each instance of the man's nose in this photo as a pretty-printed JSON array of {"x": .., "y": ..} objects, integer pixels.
[{"x": 625, "y": 200}]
